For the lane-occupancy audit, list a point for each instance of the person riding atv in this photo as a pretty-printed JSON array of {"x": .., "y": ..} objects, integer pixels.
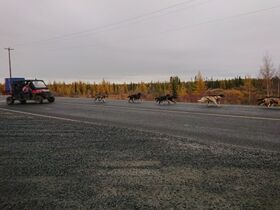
[{"x": 24, "y": 90}]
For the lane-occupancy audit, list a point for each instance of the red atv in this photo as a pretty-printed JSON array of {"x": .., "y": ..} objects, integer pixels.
[{"x": 24, "y": 90}]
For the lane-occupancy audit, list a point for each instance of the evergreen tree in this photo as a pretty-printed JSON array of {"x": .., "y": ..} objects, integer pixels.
[{"x": 174, "y": 84}]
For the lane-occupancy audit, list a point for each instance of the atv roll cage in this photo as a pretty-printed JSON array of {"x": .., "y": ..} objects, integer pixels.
[{"x": 24, "y": 90}]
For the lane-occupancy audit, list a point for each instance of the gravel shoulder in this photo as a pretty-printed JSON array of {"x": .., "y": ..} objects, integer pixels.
[{"x": 55, "y": 164}]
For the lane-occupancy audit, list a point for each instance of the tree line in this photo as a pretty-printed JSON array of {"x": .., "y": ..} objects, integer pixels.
[{"x": 237, "y": 90}]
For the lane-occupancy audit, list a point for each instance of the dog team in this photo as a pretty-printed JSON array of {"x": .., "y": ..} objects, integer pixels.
[{"x": 209, "y": 99}]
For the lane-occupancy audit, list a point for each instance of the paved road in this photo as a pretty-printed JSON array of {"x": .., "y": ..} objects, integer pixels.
[
  {"x": 251, "y": 126},
  {"x": 75, "y": 154}
]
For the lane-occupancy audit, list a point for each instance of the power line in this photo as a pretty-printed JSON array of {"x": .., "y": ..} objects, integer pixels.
[
  {"x": 221, "y": 19},
  {"x": 229, "y": 17},
  {"x": 110, "y": 25},
  {"x": 208, "y": 22}
]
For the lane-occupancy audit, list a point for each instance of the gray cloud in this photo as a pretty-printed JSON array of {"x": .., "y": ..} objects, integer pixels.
[{"x": 175, "y": 41}]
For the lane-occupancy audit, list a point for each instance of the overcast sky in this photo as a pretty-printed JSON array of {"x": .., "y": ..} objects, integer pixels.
[{"x": 137, "y": 40}]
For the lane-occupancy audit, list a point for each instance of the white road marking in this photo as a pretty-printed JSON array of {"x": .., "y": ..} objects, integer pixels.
[
  {"x": 83, "y": 121},
  {"x": 184, "y": 112},
  {"x": 2, "y": 99},
  {"x": 51, "y": 117}
]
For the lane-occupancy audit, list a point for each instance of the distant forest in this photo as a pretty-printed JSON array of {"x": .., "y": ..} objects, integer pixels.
[{"x": 237, "y": 90}]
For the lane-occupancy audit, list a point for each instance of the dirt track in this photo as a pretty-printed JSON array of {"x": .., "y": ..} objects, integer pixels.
[{"x": 54, "y": 164}]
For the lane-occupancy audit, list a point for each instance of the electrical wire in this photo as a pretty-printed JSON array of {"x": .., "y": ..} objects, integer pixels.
[
  {"x": 227, "y": 18},
  {"x": 106, "y": 26}
]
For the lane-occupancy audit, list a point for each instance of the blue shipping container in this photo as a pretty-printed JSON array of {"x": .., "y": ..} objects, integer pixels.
[{"x": 7, "y": 83}]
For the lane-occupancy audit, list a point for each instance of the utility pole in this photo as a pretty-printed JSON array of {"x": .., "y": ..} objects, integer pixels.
[{"x": 10, "y": 66}]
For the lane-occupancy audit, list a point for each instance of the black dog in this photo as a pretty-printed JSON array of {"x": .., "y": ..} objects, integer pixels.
[
  {"x": 132, "y": 98},
  {"x": 167, "y": 98}
]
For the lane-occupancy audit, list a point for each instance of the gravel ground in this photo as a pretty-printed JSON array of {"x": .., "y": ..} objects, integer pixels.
[{"x": 54, "y": 164}]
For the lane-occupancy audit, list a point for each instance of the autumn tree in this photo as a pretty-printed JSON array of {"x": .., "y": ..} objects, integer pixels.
[
  {"x": 200, "y": 84},
  {"x": 104, "y": 87},
  {"x": 278, "y": 81},
  {"x": 267, "y": 72},
  {"x": 182, "y": 91},
  {"x": 248, "y": 87},
  {"x": 141, "y": 87},
  {"x": 2, "y": 88}
]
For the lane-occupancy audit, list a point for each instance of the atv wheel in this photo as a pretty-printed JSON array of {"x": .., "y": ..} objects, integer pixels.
[
  {"x": 10, "y": 100},
  {"x": 39, "y": 99},
  {"x": 51, "y": 99}
]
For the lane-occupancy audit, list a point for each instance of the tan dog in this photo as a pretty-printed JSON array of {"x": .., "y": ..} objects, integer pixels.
[{"x": 215, "y": 99}]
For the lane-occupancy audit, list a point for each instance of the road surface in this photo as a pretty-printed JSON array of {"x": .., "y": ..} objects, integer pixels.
[
  {"x": 252, "y": 126},
  {"x": 77, "y": 154}
]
